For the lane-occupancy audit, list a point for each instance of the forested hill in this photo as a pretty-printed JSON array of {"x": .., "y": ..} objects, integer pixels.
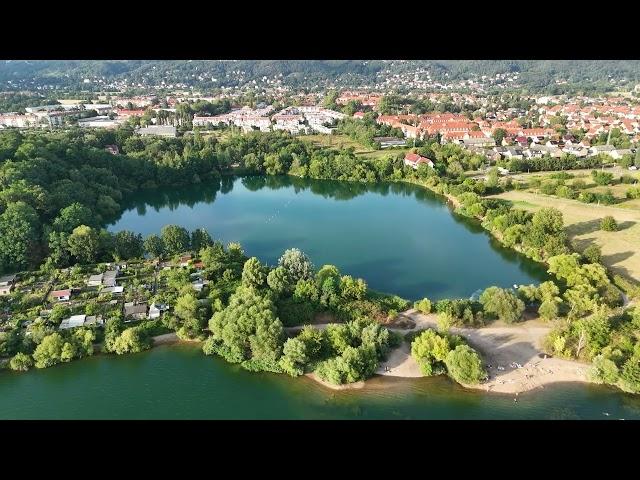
[{"x": 534, "y": 76}]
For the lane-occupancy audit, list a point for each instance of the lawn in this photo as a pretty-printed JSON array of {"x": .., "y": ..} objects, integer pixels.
[
  {"x": 343, "y": 141},
  {"x": 620, "y": 250}
]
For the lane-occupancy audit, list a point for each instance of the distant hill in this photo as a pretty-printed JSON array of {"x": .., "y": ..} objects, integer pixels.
[{"x": 555, "y": 76}]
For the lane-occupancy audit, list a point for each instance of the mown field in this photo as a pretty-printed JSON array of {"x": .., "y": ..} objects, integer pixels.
[
  {"x": 340, "y": 142},
  {"x": 620, "y": 250}
]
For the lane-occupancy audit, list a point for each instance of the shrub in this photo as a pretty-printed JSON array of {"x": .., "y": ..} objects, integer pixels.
[
  {"x": 602, "y": 178},
  {"x": 21, "y": 362},
  {"x": 423, "y": 306},
  {"x": 592, "y": 253},
  {"x": 548, "y": 310},
  {"x": 465, "y": 366},
  {"x": 628, "y": 179},
  {"x": 502, "y": 303},
  {"x": 604, "y": 370},
  {"x": 609, "y": 224},
  {"x": 587, "y": 197},
  {"x": 633, "y": 193}
]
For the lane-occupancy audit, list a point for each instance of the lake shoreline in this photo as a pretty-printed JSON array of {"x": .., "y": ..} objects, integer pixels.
[{"x": 512, "y": 354}]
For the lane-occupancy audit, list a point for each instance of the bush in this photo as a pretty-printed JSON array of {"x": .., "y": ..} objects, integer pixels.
[
  {"x": 609, "y": 224},
  {"x": 602, "y": 178},
  {"x": 502, "y": 303},
  {"x": 587, "y": 197},
  {"x": 423, "y": 306},
  {"x": 21, "y": 362},
  {"x": 628, "y": 179},
  {"x": 465, "y": 366},
  {"x": 548, "y": 310},
  {"x": 565, "y": 192},
  {"x": 604, "y": 370},
  {"x": 592, "y": 253},
  {"x": 633, "y": 193}
]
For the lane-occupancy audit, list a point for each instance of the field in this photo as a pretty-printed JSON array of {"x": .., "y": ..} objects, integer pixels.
[
  {"x": 617, "y": 189},
  {"x": 340, "y": 142},
  {"x": 620, "y": 250}
]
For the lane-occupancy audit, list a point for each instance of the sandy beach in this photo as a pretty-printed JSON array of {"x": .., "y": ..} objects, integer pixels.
[
  {"x": 166, "y": 338},
  {"x": 512, "y": 354}
]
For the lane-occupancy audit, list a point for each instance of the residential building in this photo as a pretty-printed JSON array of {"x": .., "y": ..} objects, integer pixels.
[
  {"x": 413, "y": 160},
  {"x": 61, "y": 295},
  {"x": 387, "y": 142},
  {"x": 135, "y": 311},
  {"x": 95, "y": 280},
  {"x": 158, "y": 130},
  {"x": 72, "y": 322}
]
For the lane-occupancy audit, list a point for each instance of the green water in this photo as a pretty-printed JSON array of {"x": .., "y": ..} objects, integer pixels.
[
  {"x": 179, "y": 382},
  {"x": 400, "y": 238}
]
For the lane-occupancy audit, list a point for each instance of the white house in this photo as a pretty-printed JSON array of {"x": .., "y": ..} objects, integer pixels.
[{"x": 73, "y": 322}]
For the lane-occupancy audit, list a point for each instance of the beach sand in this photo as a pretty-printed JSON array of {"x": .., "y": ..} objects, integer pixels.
[{"x": 512, "y": 355}]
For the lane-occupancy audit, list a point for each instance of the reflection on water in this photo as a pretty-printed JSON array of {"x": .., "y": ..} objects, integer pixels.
[
  {"x": 179, "y": 382},
  {"x": 401, "y": 238}
]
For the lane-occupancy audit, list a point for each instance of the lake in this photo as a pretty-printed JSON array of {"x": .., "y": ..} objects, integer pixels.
[
  {"x": 400, "y": 238},
  {"x": 179, "y": 382}
]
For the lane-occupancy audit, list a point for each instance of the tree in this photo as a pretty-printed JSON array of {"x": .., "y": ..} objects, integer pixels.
[
  {"x": 84, "y": 243},
  {"x": 200, "y": 239},
  {"x": 19, "y": 231},
  {"x": 604, "y": 370},
  {"x": 127, "y": 245},
  {"x": 131, "y": 341},
  {"x": 254, "y": 274},
  {"x": 154, "y": 246},
  {"x": 248, "y": 328},
  {"x": 464, "y": 365},
  {"x": 548, "y": 310},
  {"x": 73, "y": 216},
  {"x": 502, "y": 303},
  {"x": 294, "y": 357},
  {"x": 49, "y": 351},
  {"x": 279, "y": 281},
  {"x": 297, "y": 265},
  {"x": 352, "y": 289},
  {"x": 631, "y": 374},
  {"x": 186, "y": 306},
  {"x": 609, "y": 224},
  {"x": 21, "y": 362},
  {"x": 430, "y": 350},
  {"x": 175, "y": 239},
  {"x": 498, "y": 135}
]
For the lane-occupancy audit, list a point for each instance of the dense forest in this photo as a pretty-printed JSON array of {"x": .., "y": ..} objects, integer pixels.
[{"x": 534, "y": 75}]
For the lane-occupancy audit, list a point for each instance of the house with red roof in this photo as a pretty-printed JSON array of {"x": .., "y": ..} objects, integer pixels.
[
  {"x": 413, "y": 160},
  {"x": 61, "y": 295}
]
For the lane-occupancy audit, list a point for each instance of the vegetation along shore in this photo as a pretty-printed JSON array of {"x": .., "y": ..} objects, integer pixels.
[{"x": 59, "y": 189}]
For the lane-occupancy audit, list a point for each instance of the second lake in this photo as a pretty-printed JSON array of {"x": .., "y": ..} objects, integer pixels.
[{"x": 400, "y": 238}]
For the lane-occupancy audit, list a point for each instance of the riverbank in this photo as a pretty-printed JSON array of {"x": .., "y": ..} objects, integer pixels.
[{"x": 512, "y": 354}]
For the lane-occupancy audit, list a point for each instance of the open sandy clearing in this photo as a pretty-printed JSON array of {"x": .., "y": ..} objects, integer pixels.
[{"x": 512, "y": 354}]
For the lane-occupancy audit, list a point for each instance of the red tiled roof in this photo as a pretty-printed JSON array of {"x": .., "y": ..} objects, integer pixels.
[{"x": 61, "y": 293}]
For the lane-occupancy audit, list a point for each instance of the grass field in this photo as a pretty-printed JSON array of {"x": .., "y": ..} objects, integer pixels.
[
  {"x": 620, "y": 250},
  {"x": 618, "y": 189},
  {"x": 342, "y": 141}
]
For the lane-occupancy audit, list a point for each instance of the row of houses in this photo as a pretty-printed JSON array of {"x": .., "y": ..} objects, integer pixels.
[{"x": 299, "y": 119}]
